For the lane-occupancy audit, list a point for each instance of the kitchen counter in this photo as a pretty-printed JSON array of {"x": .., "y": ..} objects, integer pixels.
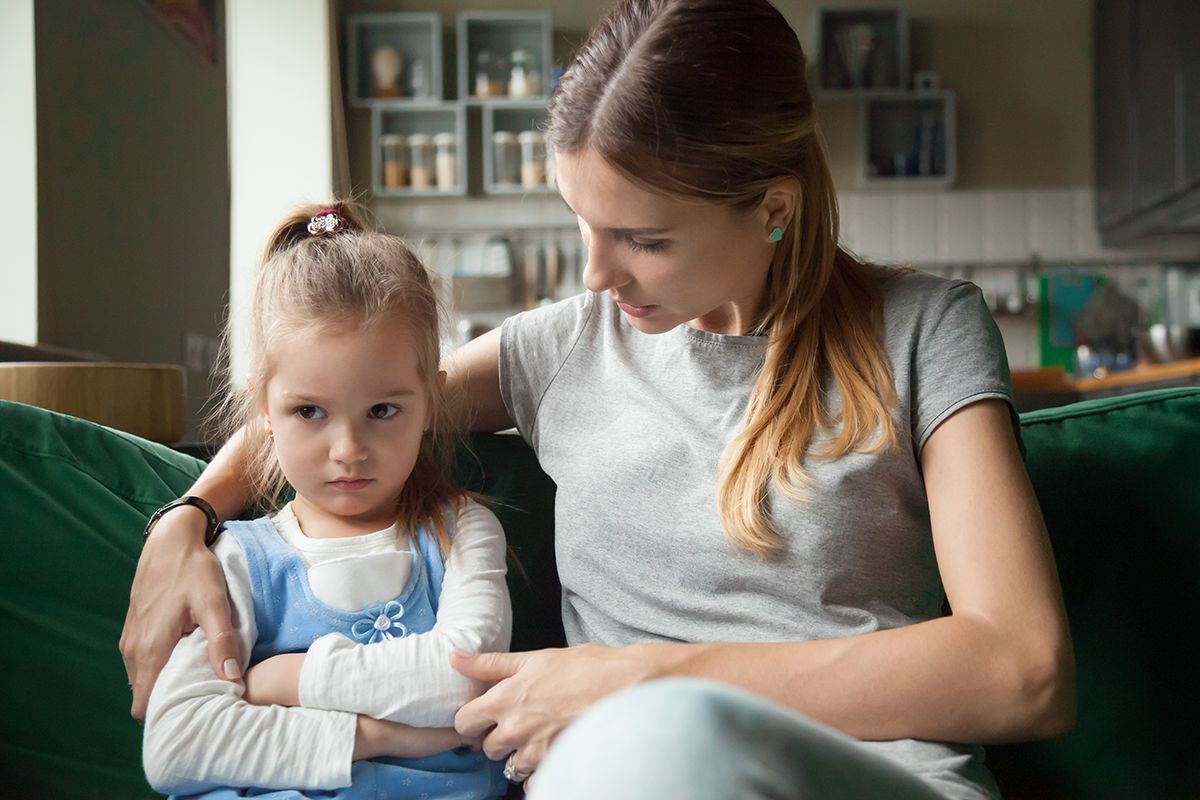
[{"x": 1053, "y": 386}]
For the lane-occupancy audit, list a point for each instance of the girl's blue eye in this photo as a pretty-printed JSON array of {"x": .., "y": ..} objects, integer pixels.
[
  {"x": 644, "y": 247},
  {"x": 310, "y": 412},
  {"x": 383, "y": 410}
]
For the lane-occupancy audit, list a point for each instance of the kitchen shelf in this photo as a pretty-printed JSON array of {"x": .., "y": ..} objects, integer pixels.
[
  {"x": 407, "y": 121},
  {"x": 502, "y": 34},
  {"x": 862, "y": 51},
  {"x": 909, "y": 140},
  {"x": 416, "y": 37},
  {"x": 513, "y": 118}
]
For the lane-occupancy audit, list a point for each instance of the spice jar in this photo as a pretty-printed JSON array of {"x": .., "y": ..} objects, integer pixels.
[
  {"x": 420, "y": 165},
  {"x": 506, "y": 158},
  {"x": 488, "y": 79},
  {"x": 533, "y": 158},
  {"x": 523, "y": 80},
  {"x": 447, "y": 161},
  {"x": 395, "y": 157}
]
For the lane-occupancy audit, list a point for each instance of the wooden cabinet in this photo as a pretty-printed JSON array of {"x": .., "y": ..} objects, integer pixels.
[{"x": 1147, "y": 119}]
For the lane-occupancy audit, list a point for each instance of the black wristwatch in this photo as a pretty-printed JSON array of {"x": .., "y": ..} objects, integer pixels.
[{"x": 211, "y": 526}]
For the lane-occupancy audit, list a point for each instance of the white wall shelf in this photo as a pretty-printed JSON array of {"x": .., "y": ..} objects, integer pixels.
[
  {"x": 416, "y": 38},
  {"x": 909, "y": 140}
]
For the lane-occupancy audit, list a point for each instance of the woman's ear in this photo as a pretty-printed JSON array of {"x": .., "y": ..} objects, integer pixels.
[{"x": 779, "y": 205}]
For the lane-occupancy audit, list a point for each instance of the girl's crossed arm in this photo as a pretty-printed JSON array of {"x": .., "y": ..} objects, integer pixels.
[{"x": 408, "y": 680}]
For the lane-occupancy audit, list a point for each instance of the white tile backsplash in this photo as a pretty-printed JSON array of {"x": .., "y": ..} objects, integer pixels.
[
  {"x": 915, "y": 228},
  {"x": 961, "y": 218},
  {"x": 1004, "y": 224},
  {"x": 1051, "y": 223}
]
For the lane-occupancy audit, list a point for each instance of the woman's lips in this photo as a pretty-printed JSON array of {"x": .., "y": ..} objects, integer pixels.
[
  {"x": 350, "y": 484},
  {"x": 636, "y": 311}
]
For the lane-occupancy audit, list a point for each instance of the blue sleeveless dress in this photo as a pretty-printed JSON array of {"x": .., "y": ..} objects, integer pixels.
[{"x": 289, "y": 618}]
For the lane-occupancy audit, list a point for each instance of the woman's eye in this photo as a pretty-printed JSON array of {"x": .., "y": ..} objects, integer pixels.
[
  {"x": 310, "y": 412},
  {"x": 383, "y": 410},
  {"x": 645, "y": 247}
]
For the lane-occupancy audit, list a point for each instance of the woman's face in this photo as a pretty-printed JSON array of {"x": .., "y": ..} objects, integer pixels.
[{"x": 667, "y": 262}]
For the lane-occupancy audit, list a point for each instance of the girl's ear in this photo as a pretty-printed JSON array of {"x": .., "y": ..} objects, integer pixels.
[
  {"x": 262, "y": 405},
  {"x": 429, "y": 406}
]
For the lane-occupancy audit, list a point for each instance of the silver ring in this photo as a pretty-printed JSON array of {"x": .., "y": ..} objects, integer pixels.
[{"x": 512, "y": 773}]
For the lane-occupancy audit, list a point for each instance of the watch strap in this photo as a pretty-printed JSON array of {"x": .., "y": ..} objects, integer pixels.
[{"x": 211, "y": 525}]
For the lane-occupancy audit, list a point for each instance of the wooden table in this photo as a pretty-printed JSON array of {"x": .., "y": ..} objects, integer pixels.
[{"x": 146, "y": 400}]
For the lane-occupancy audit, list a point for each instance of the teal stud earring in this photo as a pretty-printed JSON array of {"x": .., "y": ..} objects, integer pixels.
[{"x": 776, "y": 235}]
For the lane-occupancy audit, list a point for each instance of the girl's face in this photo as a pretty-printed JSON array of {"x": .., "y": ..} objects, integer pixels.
[
  {"x": 667, "y": 262},
  {"x": 347, "y": 409}
]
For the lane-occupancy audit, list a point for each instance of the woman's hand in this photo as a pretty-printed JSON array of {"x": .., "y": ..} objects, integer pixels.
[
  {"x": 539, "y": 693},
  {"x": 275, "y": 681},
  {"x": 375, "y": 738},
  {"x": 179, "y": 585}
]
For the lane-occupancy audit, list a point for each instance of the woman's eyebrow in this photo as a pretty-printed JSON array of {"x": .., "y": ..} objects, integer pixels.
[{"x": 621, "y": 231}]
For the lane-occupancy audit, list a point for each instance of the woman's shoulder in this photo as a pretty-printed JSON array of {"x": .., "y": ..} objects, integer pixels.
[{"x": 907, "y": 289}]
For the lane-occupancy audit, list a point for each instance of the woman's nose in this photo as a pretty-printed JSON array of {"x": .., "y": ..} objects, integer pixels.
[{"x": 603, "y": 270}]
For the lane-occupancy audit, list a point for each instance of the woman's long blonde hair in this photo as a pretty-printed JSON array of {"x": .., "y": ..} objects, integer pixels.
[
  {"x": 707, "y": 99},
  {"x": 325, "y": 281}
]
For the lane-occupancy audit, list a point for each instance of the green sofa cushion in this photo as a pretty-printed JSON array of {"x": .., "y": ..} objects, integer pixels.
[
  {"x": 74, "y": 496},
  {"x": 1118, "y": 481}
]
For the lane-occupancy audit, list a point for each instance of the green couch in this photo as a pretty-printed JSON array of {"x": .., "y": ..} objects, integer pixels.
[{"x": 1118, "y": 480}]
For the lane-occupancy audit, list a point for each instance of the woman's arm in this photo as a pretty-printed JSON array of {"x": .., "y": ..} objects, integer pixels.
[
  {"x": 409, "y": 680},
  {"x": 179, "y": 585},
  {"x": 474, "y": 370},
  {"x": 1000, "y": 668}
]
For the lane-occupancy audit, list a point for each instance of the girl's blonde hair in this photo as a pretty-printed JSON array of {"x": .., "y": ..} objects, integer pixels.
[
  {"x": 325, "y": 281},
  {"x": 707, "y": 99}
]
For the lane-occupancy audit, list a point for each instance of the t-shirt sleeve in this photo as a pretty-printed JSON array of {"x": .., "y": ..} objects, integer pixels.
[
  {"x": 958, "y": 359},
  {"x": 533, "y": 347}
]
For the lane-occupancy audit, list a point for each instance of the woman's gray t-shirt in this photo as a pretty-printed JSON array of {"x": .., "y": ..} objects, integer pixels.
[{"x": 631, "y": 427}]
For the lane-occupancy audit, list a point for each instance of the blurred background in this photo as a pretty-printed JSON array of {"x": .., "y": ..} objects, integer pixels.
[{"x": 1048, "y": 151}]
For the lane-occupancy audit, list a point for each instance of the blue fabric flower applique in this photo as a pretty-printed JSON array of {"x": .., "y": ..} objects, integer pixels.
[{"x": 380, "y": 623}]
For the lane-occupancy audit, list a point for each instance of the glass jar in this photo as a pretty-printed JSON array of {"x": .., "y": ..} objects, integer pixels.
[
  {"x": 420, "y": 165},
  {"x": 489, "y": 81},
  {"x": 524, "y": 80},
  {"x": 395, "y": 160},
  {"x": 533, "y": 158},
  {"x": 506, "y": 158},
  {"x": 447, "y": 161}
]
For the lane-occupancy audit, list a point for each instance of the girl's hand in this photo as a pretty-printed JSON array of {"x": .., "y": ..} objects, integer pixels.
[
  {"x": 539, "y": 693},
  {"x": 275, "y": 681},
  {"x": 375, "y": 738},
  {"x": 179, "y": 585}
]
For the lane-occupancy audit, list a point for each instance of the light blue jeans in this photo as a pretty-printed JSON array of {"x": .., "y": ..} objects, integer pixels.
[{"x": 681, "y": 739}]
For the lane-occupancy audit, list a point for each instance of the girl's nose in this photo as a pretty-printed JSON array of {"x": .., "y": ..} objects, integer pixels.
[{"x": 347, "y": 446}]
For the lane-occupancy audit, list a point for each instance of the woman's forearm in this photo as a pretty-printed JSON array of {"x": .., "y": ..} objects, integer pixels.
[
  {"x": 950, "y": 679},
  {"x": 222, "y": 483}
]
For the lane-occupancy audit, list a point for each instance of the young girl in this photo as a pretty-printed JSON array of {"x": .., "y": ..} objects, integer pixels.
[{"x": 379, "y": 563}]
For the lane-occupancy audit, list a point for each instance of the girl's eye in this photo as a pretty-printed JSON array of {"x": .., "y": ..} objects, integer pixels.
[
  {"x": 645, "y": 247},
  {"x": 383, "y": 410},
  {"x": 310, "y": 412}
]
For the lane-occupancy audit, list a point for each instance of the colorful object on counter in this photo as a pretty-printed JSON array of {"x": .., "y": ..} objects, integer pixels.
[{"x": 1061, "y": 297}]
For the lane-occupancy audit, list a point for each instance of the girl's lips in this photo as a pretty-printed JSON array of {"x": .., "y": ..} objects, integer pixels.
[
  {"x": 350, "y": 484},
  {"x": 636, "y": 311}
]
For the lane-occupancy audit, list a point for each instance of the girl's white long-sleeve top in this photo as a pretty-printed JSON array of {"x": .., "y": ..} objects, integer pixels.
[{"x": 201, "y": 734}]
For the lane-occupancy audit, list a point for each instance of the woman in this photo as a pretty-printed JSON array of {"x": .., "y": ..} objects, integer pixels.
[{"x": 775, "y": 464}]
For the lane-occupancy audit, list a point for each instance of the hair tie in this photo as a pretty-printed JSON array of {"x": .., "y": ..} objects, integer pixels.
[{"x": 328, "y": 221}]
